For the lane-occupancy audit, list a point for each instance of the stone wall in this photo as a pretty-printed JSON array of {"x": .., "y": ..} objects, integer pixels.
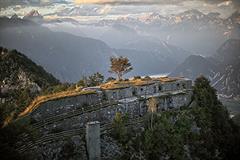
[
  {"x": 119, "y": 93},
  {"x": 146, "y": 89},
  {"x": 174, "y": 101},
  {"x": 63, "y": 105},
  {"x": 133, "y": 108},
  {"x": 176, "y": 85},
  {"x": 103, "y": 115},
  {"x": 129, "y": 101}
]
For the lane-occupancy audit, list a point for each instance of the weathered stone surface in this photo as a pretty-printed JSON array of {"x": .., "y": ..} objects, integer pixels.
[
  {"x": 93, "y": 140},
  {"x": 130, "y": 101},
  {"x": 134, "y": 108},
  {"x": 64, "y": 105},
  {"x": 72, "y": 149},
  {"x": 110, "y": 149},
  {"x": 119, "y": 93}
]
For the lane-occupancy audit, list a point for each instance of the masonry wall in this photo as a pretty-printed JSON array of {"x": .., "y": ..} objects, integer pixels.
[
  {"x": 119, "y": 93},
  {"x": 149, "y": 89},
  {"x": 171, "y": 95},
  {"x": 146, "y": 89},
  {"x": 60, "y": 106},
  {"x": 105, "y": 115},
  {"x": 175, "y": 85},
  {"x": 174, "y": 101}
]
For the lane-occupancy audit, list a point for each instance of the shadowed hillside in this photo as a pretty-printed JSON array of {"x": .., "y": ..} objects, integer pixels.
[{"x": 21, "y": 79}]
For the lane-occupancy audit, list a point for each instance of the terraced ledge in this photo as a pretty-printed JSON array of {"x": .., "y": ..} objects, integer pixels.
[
  {"x": 115, "y": 84},
  {"x": 51, "y": 137},
  {"x": 41, "y": 99},
  {"x": 65, "y": 134},
  {"x": 72, "y": 114}
]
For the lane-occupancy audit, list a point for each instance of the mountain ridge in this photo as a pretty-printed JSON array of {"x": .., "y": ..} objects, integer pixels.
[
  {"x": 62, "y": 54},
  {"x": 222, "y": 69},
  {"x": 70, "y": 57}
]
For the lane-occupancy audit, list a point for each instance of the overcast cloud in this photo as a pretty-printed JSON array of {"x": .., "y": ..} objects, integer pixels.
[
  {"x": 121, "y": 7},
  {"x": 5, "y": 3},
  {"x": 236, "y": 3}
]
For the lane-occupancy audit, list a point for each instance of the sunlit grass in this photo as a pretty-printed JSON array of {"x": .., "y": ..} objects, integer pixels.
[
  {"x": 115, "y": 84},
  {"x": 59, "y": 95}
]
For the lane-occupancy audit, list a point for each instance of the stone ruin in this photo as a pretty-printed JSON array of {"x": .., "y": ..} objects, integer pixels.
[{"x": 67, "y": 117}]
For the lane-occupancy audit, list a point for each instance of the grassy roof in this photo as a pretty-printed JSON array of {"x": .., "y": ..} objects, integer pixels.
[
  {"x": 115, "y": 85},
  {"x": 125, "y": 84},
  {"x": 167, "y": 79},
  {"x": 60, "y": 95},
  {"x": 136, "y": 82},
  {"x": 106, "y": 86}
]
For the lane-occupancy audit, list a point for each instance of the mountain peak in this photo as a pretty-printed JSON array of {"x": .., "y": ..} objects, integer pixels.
[
  {"x": 34, "y": 16},
  {"x": 15, "y": 16},
  {"x": 33, "y": 13}
]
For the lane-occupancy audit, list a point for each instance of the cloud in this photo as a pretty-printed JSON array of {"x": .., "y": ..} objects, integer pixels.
[
  {"x": 128, "y": 2},
  {"x": 6, "y": 3},
  {"x": 105, "y": 10},
  {"x": 235, "y": 3},
  {"x": 221, "y": 3}
]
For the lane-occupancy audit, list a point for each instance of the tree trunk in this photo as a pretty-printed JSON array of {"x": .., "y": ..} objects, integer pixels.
[{"x": 119, "y": 76}]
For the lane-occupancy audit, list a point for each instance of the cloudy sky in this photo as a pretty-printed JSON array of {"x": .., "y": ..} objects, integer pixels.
[{"x": 105, "y": 8}]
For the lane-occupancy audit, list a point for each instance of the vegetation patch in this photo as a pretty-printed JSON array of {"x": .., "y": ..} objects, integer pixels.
[{"x": 202, "y": 131}]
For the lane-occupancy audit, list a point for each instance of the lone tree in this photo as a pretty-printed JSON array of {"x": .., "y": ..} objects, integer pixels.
[{"x": 120, "y": 66}]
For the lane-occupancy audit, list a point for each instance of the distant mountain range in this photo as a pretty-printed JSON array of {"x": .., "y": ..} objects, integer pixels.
[
  {"x": 36, "y": 17},
  {"x": 69, "y": 57},
  {"x": 191, "y": 30},
  {"x": 193, "y": 20},
  {"x": 222, "y": 69}
]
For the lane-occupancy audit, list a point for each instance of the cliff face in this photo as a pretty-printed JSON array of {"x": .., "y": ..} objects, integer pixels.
[{"x": 227, "y": 81}]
